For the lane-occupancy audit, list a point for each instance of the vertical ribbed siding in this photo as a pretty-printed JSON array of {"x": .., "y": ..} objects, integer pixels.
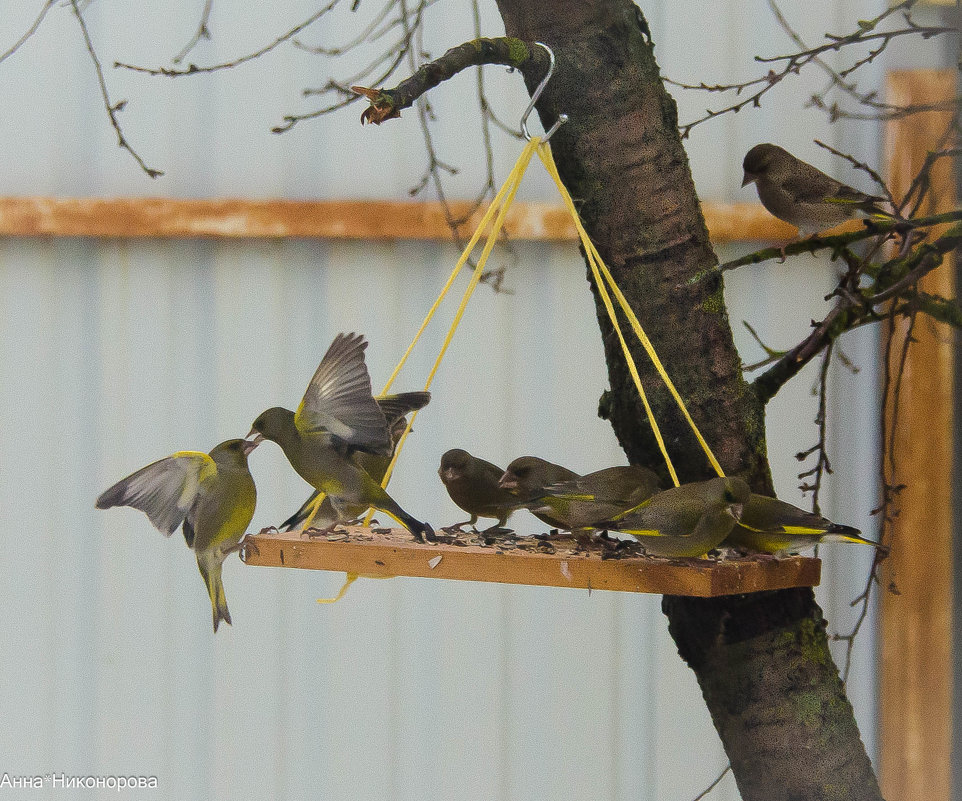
[{"x": 117, "y": 353}]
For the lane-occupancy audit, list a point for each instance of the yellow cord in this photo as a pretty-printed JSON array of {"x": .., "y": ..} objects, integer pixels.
[
  {"x": 499, "y": 210},
  {"x": 349, "y": 579},
  {"x": 598, "y": 263},
  {"x": 524, "y": 158},
  {"x": 593, "y": 259}
]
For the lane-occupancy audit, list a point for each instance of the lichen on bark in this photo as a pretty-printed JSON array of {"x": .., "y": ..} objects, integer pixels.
[{"x": 762, "y": 661}]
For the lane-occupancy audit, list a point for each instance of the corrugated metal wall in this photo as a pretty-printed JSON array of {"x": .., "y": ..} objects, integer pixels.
[{"x": 117, "y": 353}]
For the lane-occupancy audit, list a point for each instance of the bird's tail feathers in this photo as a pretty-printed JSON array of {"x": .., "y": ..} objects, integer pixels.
[
  {"x": 840, "y": 533},
  {"x": 300, "y": 515},
  {"x": 396, "y": 406},
  {"x": 422, "y": 531},
  {"x": 868, "y": 204},
  {"x": 210, "y": 567}
]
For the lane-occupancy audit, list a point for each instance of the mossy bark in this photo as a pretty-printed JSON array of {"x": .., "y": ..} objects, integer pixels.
[{"x": 762, "y": 661}]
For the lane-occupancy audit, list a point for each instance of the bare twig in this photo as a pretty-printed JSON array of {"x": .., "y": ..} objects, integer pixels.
[
  {"x": 202, "y": 32},
  {"x": 112, "y": 108},
  {"x": 29, "y": 32},
  {"x": 822, "y": 466},
  {"x": 387, "y": 104},
  {"x": 772, "y": 355},
  {"x": 854, "y": 309},
  {"x": 887, "y": 510},
  {"x": 704, "y": 793},
  {"x": 860, "y": 165},
  {"x": 789, "y": 64},
  {"x": 193, "y": 69},
  {"x": 834, "y": 242}
]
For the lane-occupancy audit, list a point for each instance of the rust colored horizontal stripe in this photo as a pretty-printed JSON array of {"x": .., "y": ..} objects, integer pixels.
[{"x": 320, "y": 219}]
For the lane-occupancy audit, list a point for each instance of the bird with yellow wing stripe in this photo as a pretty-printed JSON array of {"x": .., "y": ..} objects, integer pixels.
[
  {"x": 211, "y": 495},
  {"x": 769, "y": 525},
  {"x": 580, "y": 504},
  {"x": 685, "y": 521},
  {"x": 337, "y": 417},
  {"x": 375, "y": 465}
]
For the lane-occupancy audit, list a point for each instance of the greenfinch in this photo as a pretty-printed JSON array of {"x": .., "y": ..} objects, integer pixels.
[
  {"x": 211, "y": 495},
  {"x": 580, "y": 504},
  {"x": 472, "y": 483},
  {"x": 802, "y": 195},
  {"x": 685, "y": 521},
  {"x": 375, "y": 465},
  {"x": 769, "y": 525},
  {"x": 527, "y": 476},
  {"x": 337, "y": 417}
]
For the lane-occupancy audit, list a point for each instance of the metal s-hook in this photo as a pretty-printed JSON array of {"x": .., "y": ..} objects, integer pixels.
[{"x": 562, "y": 118}]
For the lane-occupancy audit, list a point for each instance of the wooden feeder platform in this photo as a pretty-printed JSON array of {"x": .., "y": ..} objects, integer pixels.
[{"x": 546, "y": 561}]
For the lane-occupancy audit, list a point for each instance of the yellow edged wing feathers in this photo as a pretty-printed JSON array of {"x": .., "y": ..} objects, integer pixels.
[{"x": 164, "y": 490}]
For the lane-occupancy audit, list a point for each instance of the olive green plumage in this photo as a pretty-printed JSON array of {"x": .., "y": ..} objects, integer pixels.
[
  {"x": 375, "y": 465},
  {"x": 527, "y": 476},
  {"x": 337, "y": 417},
  {"x": 685, "y": 521},
  {"x": 769, "y": 525},
  {"x": 472, "y": 483},
  {"x": 583, "y": 503},
  {"x": 802, "y": 195},
  {"x": 212, "y": 495}
]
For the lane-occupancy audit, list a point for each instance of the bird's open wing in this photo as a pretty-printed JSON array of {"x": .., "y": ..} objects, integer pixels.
[
  {"x": 164, "y": 490},
  {"x": 339, "y": 398},
  {"x": 394, "y": 407}
]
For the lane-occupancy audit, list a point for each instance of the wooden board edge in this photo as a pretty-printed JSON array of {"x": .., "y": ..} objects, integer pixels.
[{"x": 516, "y": 566}]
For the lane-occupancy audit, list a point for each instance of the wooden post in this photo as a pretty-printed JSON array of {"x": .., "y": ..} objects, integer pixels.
[{"x": 915, "y": 705}]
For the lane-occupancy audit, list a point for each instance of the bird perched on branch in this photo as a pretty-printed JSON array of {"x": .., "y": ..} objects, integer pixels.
[
  {"x": 337, "y": 417},
  {"x": 582, "y": 504},
  {"x": 527, "y": 476},
  {"x": 211, "y": 495},
  {"x": 685, "y": 521},
  {"x": 769, "y": 525},
  {"x": 472, "y": 483},
  {"x": 802, "y": 195}
]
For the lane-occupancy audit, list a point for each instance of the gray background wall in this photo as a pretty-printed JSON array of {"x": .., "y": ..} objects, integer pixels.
[{"x": 115, "y": 353}]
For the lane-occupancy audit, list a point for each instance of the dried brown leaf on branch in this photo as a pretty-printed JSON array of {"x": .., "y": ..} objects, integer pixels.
[{"x": 382, "y": 105}]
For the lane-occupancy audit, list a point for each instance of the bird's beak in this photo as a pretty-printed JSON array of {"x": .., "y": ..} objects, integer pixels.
[
  {"x": 735, "y": 510},
  {"x": 253, "y": 434},
  {"x": 508, "y": 483},
  {"x": 250, "y": 444},
  {"x": 258, "y": 438},
  {"x": 749, "y": 179}
]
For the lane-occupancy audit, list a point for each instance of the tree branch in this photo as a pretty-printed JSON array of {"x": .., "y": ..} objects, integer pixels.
[
  {"x": 893, "y": 279},
  {"x": 938, "y": 308},
  {"x": 387, "y": 104},
  {"x": 835, "y": 242},
  {"x": 112, "y": 108},
  {"x": 867, "y": 34},
  {"x": 29, "y": 32},
  {"x": 193, "y": 69}
]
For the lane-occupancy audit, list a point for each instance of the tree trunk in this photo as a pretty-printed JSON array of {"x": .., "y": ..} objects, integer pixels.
[{"x": 761, "y": 660}]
